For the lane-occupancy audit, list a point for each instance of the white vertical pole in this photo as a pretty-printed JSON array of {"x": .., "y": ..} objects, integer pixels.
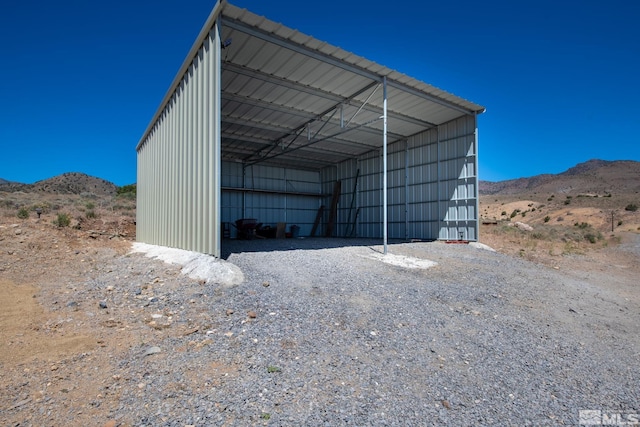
[
  {"x": 384, "y": 163},
  {"x": 477, "y": 180},
  {"x": 441, "y": 215}
]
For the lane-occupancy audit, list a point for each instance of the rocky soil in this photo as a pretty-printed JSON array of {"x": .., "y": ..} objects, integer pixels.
[{"x": 321, "y": 332}]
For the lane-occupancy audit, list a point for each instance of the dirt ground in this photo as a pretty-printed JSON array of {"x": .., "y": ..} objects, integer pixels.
[
  {"x": 39, "y": 335},
  {"x": 42, "y": 338}
]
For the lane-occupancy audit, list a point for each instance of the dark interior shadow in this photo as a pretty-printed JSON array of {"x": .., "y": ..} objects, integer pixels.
[{"x": 231, "y": 246}]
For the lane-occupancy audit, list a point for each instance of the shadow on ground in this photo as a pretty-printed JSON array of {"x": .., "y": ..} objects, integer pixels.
[{"x": 231, "y": 246}]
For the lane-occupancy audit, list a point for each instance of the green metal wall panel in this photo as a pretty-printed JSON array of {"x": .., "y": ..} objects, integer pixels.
[{"x": 179, "y": 161}]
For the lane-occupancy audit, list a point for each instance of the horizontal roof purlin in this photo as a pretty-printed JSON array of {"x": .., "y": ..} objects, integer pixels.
[{"x": 307, "y": 94}]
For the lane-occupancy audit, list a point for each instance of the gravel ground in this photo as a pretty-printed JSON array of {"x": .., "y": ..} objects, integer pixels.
[{"x": 323, "y": 334}]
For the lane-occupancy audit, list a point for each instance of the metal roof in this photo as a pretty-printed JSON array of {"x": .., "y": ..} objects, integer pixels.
[{"x": 290, "y": 99}]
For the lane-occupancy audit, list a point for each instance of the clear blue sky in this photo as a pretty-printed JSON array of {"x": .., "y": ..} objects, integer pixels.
[{"x": 80, "y": 80}]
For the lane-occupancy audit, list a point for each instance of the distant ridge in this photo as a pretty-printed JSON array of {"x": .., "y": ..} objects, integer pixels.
[
  {"x": 593, "y": 176},
  {"x": 11, "y": 186},
  {"x": 67, "y": 183}
]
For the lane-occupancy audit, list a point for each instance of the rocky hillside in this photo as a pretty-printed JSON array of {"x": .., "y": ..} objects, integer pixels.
[
  {"x": 67, "y": 183},
  {"x": 11, "y": 186},
  {"x": 597, "y": 177},
  {"x": 543, "y": 218}
]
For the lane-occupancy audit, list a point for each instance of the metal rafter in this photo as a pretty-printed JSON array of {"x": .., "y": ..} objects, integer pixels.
[
  {"x": 271, "y": 38},
  {"x": 278, "y": 81}
]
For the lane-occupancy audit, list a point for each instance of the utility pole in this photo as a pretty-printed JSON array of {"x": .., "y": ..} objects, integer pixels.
[{"x": 612, "y": 221}]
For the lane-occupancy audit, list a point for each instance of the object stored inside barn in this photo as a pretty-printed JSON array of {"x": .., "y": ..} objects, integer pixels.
[{"x": 263, "y": 122}]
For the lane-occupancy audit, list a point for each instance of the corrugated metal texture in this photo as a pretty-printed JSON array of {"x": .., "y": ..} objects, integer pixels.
[
  {"x": 459, "y": 180},
  {"x": 179, "y": 163},
  {"x": 348, "y": 207},
  {"x": 231, "y": 175},
  {"x": 262, "y": 177},
  {"x": 369, "y": 198},
  {"x": 304, "y": 71},
  {"x": 291, "y": 99},
  {"x": 369, "y": 222},
  {"x": 270, "y": 195},
  {"x": 432, "y": 186}
]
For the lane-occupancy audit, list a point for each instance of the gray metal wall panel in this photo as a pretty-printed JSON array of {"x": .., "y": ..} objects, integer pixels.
[
  {"x": 346, "y": 213},
  {"x": 178, "y": 161},
  {"x": 431, "y": 188},
  {"x": 459, "y": 186},
  {"x": 270, "y": 195},
  {"x": 231, "y": 175}
]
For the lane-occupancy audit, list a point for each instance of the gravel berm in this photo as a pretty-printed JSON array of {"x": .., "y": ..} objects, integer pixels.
[{"x": 323, "y": 332}]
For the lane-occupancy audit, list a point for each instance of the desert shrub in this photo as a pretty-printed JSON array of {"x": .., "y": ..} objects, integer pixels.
[
  {"x": 119, "y": 207},
  {"x": 567, "y": 202},
  {"x": 126, "y": 189},
  {"x": 523, "y": 214},
  {"x": 515, "y": 212},
  {"x": 504, "y": 213},
  {"x": 547, "y": 218},
  {"x": 590, "y": 237},
  {"x": 619, "y": 223},
  {"x": 62, "y": 220},
  {"x": 631, "y": 207},
  {"x": 91, "y": 214},
  {"x": 90, "y": 206},
  {"x": 127, "y": 196},
  {"x": 582, "y": 225},
  {"x": 5, "y": 203},
  {"x": 23, "y": 213}
]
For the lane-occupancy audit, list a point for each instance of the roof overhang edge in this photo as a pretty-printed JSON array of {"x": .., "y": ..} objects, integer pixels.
[{"x": 206, "y": 28}]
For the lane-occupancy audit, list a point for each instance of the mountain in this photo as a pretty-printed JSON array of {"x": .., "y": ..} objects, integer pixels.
[
  {"x": 67, "y": 183},
  {"x": 11, "y": 186},
  {"x": 591, "y": 177}
]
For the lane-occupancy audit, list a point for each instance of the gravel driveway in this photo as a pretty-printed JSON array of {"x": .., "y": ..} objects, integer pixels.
[
  {"x": 323, "y": 332},
  {"x": 333, "y": 336}
]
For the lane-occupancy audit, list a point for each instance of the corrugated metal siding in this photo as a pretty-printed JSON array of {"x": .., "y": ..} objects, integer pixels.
[
  {"x": 179, "y": 163},
  {"x": 270, "y": 195},
  {"x": 459, "y": 180},
  {"x": 431, "y": 188},
  {"x": 348, "y": 171},
  {"x": 278, "y": 83}
]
